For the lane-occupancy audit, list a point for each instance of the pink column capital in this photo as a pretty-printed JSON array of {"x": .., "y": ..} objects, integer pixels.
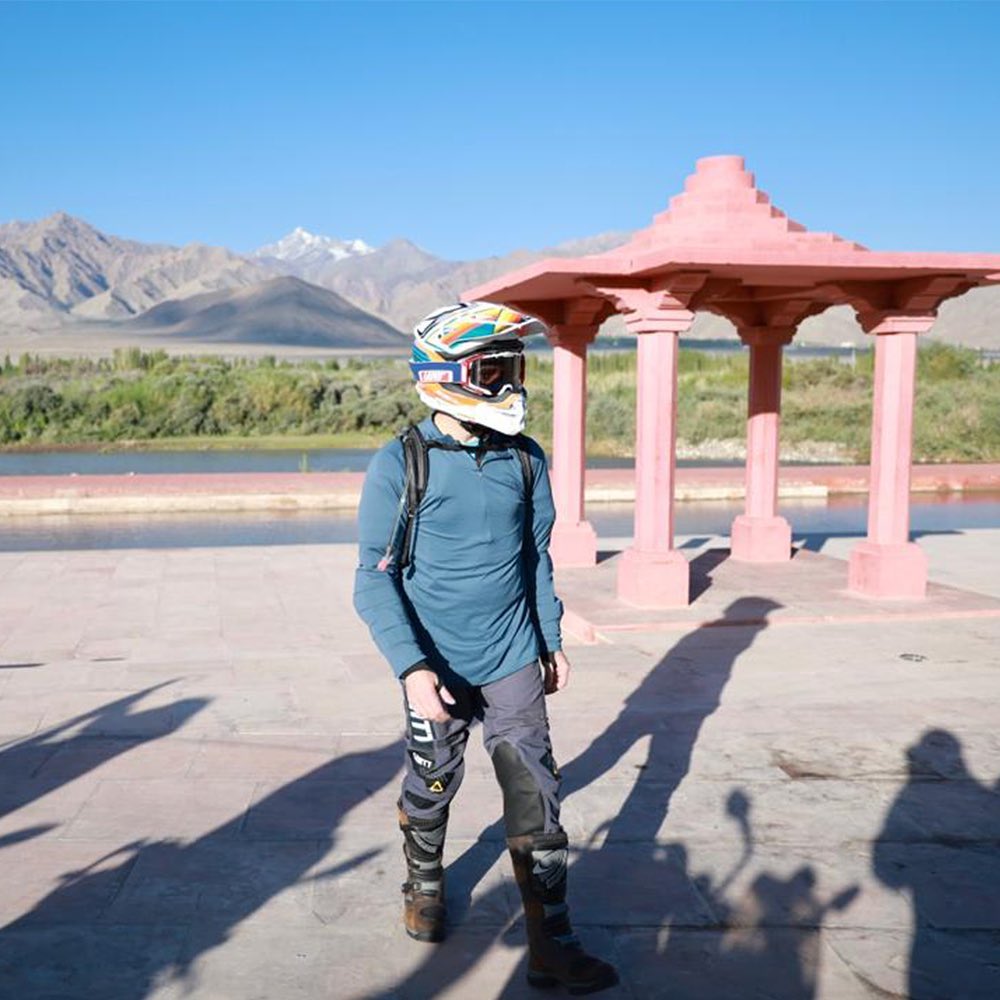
[
  {"x": 879, "y": 322},
  {"x": 652, "y": 310},
  {"x": 573, "y": 541},
  {"x": 571, "y": 335},
  {"x": 762, "y": 336}
]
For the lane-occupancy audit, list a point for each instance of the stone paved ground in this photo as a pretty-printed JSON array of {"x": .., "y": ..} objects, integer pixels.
[{"x": 199, "y": 753}]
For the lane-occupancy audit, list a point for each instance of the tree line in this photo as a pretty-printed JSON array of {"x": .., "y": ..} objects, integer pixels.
[{"x": 150, "y": 396}]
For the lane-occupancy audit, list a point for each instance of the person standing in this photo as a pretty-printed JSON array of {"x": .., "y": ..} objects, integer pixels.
[{"x": 455, "y": 583}]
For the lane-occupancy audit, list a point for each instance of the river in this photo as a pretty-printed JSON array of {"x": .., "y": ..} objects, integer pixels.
[{"x": 811, "y": 520}]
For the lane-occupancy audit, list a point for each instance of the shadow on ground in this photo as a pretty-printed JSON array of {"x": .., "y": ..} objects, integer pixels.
[
  {"x": 36, "y": 766},
  {"x": 627, "y": 882},
  {"x": 815, "y": 541},
  {"x": 940, "y": 845},
  {"x": 677, "y": 932},
  {"x": 162, "y": 905},
  {"x": 748, "y": 932}
]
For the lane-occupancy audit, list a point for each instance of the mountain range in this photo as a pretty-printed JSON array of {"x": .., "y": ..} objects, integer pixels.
[{"x": 62, "y": 275}]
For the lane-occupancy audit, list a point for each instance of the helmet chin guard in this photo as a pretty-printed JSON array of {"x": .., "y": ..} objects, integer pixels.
[{"x": 507, "y": 416}]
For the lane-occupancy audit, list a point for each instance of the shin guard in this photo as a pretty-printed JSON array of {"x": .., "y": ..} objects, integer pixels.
[
  {"x": 423, "y": 890},
  {"x": 555, "y": 955}
]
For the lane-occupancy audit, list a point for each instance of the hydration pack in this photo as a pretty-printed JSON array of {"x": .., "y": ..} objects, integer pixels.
[{"x": 416, "y": 450}]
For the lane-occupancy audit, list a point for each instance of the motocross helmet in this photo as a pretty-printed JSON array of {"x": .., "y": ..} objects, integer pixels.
[{"x": 468, "y": 362}]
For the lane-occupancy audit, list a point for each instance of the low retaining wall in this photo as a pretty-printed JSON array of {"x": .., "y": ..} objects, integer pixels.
[{"x": 285, "y": 491}]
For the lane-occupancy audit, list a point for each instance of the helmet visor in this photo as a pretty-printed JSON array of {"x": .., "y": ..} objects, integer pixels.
[{"x": 494, "y": 374}]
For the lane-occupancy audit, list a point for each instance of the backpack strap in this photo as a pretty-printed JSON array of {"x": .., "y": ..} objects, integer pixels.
[
  {"x": 415, "y": 485},
  {"x": 527, "y": 470},
  {"x": 415, "y": 464}
]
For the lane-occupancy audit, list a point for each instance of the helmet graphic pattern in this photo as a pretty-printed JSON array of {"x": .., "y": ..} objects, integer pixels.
[{"x": 465, "y": 327}]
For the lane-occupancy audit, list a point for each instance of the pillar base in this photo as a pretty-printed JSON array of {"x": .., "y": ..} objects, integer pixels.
[
  {"x": 573, "y": 544},
  {"x": 654, "y": 579},
  {"x": 895, "y": 571},
  {"x": 760, "y": 539}
]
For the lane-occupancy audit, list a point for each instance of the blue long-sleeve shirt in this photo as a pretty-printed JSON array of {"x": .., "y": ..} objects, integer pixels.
[{"x": 477, "y": 599}]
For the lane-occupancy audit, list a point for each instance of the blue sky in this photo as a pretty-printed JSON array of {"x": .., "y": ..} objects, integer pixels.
[{"x": 476, "y": 128}]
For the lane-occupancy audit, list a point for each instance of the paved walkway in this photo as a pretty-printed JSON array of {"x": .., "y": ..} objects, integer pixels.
[{"x": 199, "y": 753}]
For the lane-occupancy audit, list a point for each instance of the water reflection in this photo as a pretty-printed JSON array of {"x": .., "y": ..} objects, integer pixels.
[
  {"x": 839, "y": 515},
  {"x": 816, "y": 518}
]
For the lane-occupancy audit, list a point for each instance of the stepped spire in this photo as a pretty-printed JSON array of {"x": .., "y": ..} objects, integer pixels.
[{"x": 721, "y": 204}]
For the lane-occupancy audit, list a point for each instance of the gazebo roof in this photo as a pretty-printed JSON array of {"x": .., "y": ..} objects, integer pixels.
[{"x": 724, "y": 247}]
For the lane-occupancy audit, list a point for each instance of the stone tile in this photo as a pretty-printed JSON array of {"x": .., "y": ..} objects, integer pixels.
[
  {"x": 61, "y": 882},
  {"x": 219, "y": 879},
  {"x": 161, "y": 808},
  {"x": 297, "y": 963},
  {"x": 18, "y": 720},
  {"x": 785, "y": 812},
  {"x": 760, "y": 964},
  {"x": 780, "y": 886},
  {"x": 952, "y": 886},
  {"x": 262, "y": 710},
  {"x": 120, "y": 757},
  {"x": 630, "y": 885},
  {"x": 147, "y": 714},
  {"x": 21, "y": 758},
  {"x": 47, "y": 678},
  {"x": 29, "y": 803},
  {"x": 275, "y": 758},
  {"x": 947, "y": 812},
  {"x": 25, "y": 647},
  {"x": 474, "y": 963},
  {"x": 316, "y": 803},
  {"x": 933, "y": 964},
  {"x": 83, "y": 962}
]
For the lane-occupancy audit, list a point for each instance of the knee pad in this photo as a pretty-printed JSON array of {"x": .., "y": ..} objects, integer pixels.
[{"x": 523, "y": 809}]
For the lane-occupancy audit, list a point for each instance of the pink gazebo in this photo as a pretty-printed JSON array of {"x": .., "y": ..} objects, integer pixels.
[{"x": 724, "y": 248}]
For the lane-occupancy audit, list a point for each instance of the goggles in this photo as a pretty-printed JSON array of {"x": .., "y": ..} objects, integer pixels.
[{"x": 486, "y": 374}]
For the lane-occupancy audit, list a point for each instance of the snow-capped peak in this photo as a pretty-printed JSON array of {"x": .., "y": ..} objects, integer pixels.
[{"x": 302, "y": 246}]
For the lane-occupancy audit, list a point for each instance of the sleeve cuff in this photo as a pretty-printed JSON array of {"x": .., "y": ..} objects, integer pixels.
[{"x": 419, "y": 665}]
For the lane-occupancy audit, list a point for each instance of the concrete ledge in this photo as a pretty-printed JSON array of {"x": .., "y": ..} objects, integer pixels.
[
  {"x": 177, "y": 504},
  {"x": 142, "y": 494},
  {"x": 809, "y": 589}
]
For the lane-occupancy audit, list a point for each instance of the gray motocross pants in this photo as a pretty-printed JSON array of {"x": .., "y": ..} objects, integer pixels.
[{"x": 516, "y": 736}]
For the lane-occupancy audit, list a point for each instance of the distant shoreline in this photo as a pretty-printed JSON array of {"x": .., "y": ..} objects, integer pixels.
[{"x": 726, "y": 450}]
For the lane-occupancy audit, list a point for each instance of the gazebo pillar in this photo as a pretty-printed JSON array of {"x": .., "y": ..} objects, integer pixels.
[
  {"x": 652, "y": 573},
  {"x": 574, "y": 541},
  {"x": 759, "y": 534},
  {"x": 887, "y": 563}
]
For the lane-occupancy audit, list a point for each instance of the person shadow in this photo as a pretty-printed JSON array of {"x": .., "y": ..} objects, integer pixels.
[
  {"x": 668, "y": 707},
  {"x": 38, "y": 765},
  {"x": 760, "y": 941},
  {"x": 206, "y": 888},
  {"x": 938, "y": 845}
]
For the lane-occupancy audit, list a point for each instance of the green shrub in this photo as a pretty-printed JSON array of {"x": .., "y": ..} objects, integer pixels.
[{"x": 149, "y": 395}]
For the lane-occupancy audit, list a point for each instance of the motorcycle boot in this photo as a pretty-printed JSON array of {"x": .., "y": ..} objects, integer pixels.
[{"x": 423, "y": 890}]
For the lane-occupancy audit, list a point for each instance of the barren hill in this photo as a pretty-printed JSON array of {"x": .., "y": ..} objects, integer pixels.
[
  {"x": 279, "y": 311},
  {"x": 62, "y": 267}
]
